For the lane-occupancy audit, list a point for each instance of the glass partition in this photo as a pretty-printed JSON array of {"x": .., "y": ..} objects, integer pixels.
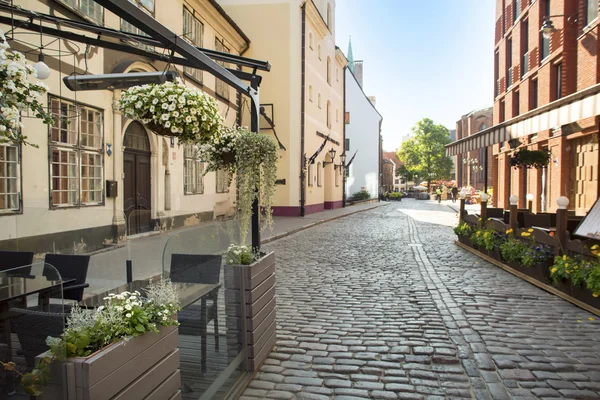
[
  {"x": 31, "y": 310},
  {"x": 210, "y": 343}
]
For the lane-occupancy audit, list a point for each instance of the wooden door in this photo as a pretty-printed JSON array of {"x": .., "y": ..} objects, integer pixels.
[
  {"x": 584, "y": 173},
  {"x": 137, "y": 204}
]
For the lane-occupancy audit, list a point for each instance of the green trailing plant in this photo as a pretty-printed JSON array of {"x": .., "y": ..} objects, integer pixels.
[
  {"x": 525, "y": 158},
  {"x": 462, "y": 229},
  {"x": 122, "y": 317},
  {"x": 18, "y": 94},
  {"x": 362, "y": 195}
]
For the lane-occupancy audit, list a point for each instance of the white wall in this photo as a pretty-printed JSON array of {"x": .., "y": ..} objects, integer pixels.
[{"x": 363, "y": 132}]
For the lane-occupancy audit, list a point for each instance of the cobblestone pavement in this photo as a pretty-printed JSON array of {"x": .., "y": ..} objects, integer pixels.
[{"x": 383, "y": 305}]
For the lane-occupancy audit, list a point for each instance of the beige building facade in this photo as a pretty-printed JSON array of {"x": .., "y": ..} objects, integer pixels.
[
  {"x": 56, "y": 195},
  {"x": 304, "y": 93}
]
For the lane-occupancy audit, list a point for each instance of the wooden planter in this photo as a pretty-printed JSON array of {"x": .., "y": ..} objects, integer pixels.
[
  {"x": 539, "y": 272},
  {"x": 465, "y": 240},
  {"x": 250, "y": 308},
  {"x": 585, "y": 295},
  {"x": 495, "y": 254},
  {"x": 564, "y": 286},
  {"x": 144, "y": 367}
]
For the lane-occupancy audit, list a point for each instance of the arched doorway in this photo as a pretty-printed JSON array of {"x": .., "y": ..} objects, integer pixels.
[{"x": 136, "y": 183}]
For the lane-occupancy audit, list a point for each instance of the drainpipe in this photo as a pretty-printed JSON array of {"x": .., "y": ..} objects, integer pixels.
[
  {"x": 116, "y": 135},
  {"x": 344, "y": 137},
  {"x": 302, "y": 160}
]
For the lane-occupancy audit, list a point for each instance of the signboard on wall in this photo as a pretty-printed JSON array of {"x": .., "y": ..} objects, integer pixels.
[{"x": 590, "y": 226}]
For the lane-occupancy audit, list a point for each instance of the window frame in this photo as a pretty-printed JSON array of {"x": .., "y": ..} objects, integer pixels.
[
  {"x": 558, "y": 86},
  {"x": 310, "y": 93},
  {"x": 587, "y": 12},
  {"x": 221, "y": 174},
  {"x": 319, "y": 100},
  {"x": 319, "y": 173},
  {"x": 310, "y": 173},
  {"x": 329, "y": 70},
  {"x": 310, "y": 40},
  {"x": 222, "y": 89},
  {"x": 79, "y": 10},
  {"x": 18, "y": 179},
  {"x": 328, "y": 114},
  {"x": 197, "y": 178},
  {"x": 196, "y": 75},
  {"x": 79, "y": 150}
]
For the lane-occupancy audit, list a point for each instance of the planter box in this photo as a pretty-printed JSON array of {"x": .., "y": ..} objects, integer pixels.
[
  {"x": 564, "y": 286},
  {"x": 539, "y": 272},
  {"x": 495, "y": 254},
  {"x": 144, "y": 367},
  {"x": 465, "y": 240},
  {"x": 585, "y": 295},
  {"x": 250, "y": 308}
]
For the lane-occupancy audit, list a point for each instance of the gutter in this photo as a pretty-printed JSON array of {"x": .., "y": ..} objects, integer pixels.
[{"x": 302, "y": 105}]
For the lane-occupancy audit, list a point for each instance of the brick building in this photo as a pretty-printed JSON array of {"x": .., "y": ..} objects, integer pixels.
[
  {"x": 469, "y": 166},
  {"x": 546, "y": 95}
]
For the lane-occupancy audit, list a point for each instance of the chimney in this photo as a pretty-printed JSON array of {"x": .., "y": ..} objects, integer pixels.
[{"x": 358, "y": 71}]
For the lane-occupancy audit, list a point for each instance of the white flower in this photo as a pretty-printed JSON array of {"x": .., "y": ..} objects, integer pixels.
[
  {"x": 128, "y": 307},
  {"x": 128, "y": 315}
]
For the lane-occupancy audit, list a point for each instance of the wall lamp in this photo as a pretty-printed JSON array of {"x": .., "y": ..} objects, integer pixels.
[
  {"x": 331, "y": 156},
  {"x": 548, "y": 27},
  {"x": 342, "y": 161}
]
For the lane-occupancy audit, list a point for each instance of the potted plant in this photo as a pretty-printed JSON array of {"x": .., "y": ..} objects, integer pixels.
[
  {"x": 491, "y": 241},
  {"x": 530, "y": 158},
  {"x": 128, "y": 326},
  {"x": 512, "y": 250},
  {"x": 561, "y": 271},
  {"x": 18, "y": 94},
  {"x": 592, "y": 284},
  {"x": 250, "y": 282},
  {"x": 463, "y": 231},
  {"x": 173, "y": 109},
  {"x": 253, "y": 158}
]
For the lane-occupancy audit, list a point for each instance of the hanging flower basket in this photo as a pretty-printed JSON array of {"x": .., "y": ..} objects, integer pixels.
[
  {"x": 530, "y": 158},
  {"x": 173, "y": 109}
]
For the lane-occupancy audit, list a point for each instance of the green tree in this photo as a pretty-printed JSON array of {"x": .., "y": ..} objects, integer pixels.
[{"x": 425, "y": 153}]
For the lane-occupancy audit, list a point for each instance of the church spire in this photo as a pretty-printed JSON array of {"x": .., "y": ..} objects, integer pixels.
[{"x": 350, "y": 56}]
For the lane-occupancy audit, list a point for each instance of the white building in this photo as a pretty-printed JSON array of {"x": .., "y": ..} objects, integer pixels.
[{"x": 362, "y": 135}]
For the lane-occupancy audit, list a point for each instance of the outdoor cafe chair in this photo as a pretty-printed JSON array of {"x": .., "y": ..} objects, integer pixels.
[
  {"x": 198, "y": 268},
  {"x": 15, "y": 259},
  {"x": 69, "y": 267}
]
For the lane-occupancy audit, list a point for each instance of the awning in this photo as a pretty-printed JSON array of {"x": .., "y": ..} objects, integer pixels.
[{"x": 558, "y": 114}]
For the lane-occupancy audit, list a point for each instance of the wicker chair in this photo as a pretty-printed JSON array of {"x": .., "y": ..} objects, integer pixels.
[
  {"x": 15, "y": 259},
  {"x": 198, "y": 268},
  {"x": 69, "y": 267}
]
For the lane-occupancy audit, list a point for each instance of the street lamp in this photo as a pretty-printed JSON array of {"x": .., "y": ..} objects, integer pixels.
[
  {"x": 472, "y": 165},
  {"x": 331, "y": 157},
  {"x": 343, "y": 167},
  {"x": 548, "y": 27}
]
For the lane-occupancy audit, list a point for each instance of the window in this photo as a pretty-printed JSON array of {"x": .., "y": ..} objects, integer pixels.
[
  {"x": 319, "y": 173},
  {"x": 76, "y": 155},
  {"x": 319, "y": 51},
  {"x": 319, "y": 100},
  {"x": 310, "y": 93},
  {"x": 524, "y": 47},
  {"x": 193, "y": 171},
  {"x": 516, "y": 9},
  {"x": 10, "y": 180},
  {"x": 496, "y": 73},
  {"x": 329, "y": 70},
  {"x": 89, "y": 8},
  {"x": 346, "y": 145},
  {"x": 311, "y": 168},
  {"x": 591, "y": 12},
  {"x": 144, "y": 5},
  {"x": 193, "y": 32},
  {"x": 516, "y": 101},
  {"x": 337, "y": 115},
  {"x": 558, "y": 78},
  {"x": 545, "y": 43},
  {"x": 310, "y": 40},
  {"x": 509, "y": 70},
  {"x": 222, "y": 89},
  {"x": 222, "y": 181},
  {"x": 328, "y": 114},
  {"x": 337, "y": 74},
  {"x": 533, "y": 95},
  {"x": 502, "y": 111}
]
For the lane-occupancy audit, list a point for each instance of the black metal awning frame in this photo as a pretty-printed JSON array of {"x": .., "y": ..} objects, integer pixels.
[{"x": 158, "y": 36}]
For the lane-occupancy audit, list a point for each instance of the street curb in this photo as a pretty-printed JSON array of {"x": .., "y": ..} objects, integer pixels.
[{"x": 282, "y": 235}]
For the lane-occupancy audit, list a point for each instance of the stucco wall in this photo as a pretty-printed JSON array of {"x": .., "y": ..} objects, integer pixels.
[{"x": 363, "y": 132}]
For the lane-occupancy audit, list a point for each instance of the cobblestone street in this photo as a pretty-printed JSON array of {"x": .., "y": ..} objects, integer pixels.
[{"x": 383, "y": 305}]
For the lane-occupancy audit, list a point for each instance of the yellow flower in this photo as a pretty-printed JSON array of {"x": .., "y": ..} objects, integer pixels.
[
  {"x": 525, "y": 234},
  {"x": 595, "y": 247},
  {"x": 529, "y": 230},
  {"x": 553, "y": 270},
  {"x": 591, "y": 319},
  {"x": 578, "y": 320},
  {"x": 478, "y": 233},
  {"x": 509, "y": 231},
  {"x": 595, "y": 294},
  {"x": 565, "y": 257},
  {"x": 575, "y": 267},
  {"x": 479, "y": 219},
  {"x": 566, "y": 265}
]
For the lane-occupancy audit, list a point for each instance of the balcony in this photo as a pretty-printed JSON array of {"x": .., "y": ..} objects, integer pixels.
[{"x": 525, "y": 64}]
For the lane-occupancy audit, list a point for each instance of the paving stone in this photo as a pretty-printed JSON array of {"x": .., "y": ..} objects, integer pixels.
[
  {"x": 338, "y": 383},
  {"x": 517, "y": 374}
]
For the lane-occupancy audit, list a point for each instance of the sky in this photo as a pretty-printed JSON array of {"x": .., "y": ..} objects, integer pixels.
[{"x": 422, "y": 58}]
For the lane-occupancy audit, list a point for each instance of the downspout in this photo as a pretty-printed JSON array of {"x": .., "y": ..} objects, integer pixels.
[
  {"x": 116, "y": 135},
  {"x": 302, "y": 90},
  {"x": 344, "y": 137}
]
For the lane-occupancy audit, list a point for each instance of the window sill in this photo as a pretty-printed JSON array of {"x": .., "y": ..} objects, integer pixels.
[
  {"x": 222, "y": 192},
  {"x": 72, "y": 207},
  {"x": 194, "y": 79},
  {"x": 7, "y": 213},
  {"x": 221, "y": 97},
  {"x": 545, "y": 61},
  {"x": 80, "y": 14},
  {"x": 588, "y": 28},
  {"x": 193, "y": 194}
]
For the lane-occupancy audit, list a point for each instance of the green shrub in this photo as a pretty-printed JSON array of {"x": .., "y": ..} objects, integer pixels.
[
  {"x": 362, "y": 195},
  {"x": 593, "y": 280},
  {"x": 395, "y": 195},
  {"x": 513, "y": 250},
  {"x": 462, "y": 229}
]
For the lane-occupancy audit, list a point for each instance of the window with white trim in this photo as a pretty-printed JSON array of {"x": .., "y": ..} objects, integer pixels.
[
  {"x": 76, "y": 157},
  {"x": 329, "y": 70},
  {"x": 319, "y": 100},
  {"x": 145, "y": 5},
  {"x": 193, "y": 32},
  {"x": 222, "y": 88},
  {"x": 10, "y": 179},
  {"x": 88, "y": 8},
  {"x": 319, "y": 173},
  {"x": 222, "y": 181},
  {"x": 193, "y": 171},
  {"x": 310, "y": 174}
]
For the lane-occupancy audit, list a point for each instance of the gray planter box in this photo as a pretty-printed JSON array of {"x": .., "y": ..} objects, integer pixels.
[
  {"x": 144, "y": 367},
  {"x": 250, "y": 308}
]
